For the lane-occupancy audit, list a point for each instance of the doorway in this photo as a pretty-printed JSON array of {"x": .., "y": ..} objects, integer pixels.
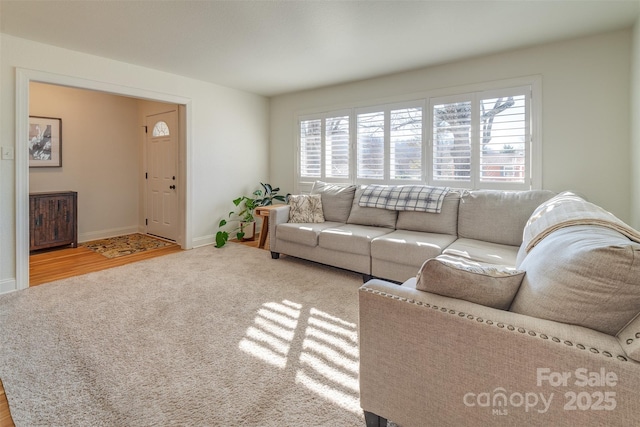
[
  {"x": 161, "y": 132},
  {"x": 23, "y": 79}
]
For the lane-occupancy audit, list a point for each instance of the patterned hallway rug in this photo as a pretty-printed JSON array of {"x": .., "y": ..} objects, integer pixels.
[{"x": 129, "y": 244}]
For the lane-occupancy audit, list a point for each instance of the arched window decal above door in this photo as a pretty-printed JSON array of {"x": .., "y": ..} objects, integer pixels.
[{"x": 161, "y": 129}]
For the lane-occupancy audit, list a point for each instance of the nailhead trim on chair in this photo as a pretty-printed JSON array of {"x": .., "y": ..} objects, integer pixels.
[{"x": 499, "y": 325}]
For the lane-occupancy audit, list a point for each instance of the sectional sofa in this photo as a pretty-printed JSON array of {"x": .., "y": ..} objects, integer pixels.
[
  {"x": 516, "y": 308},
  {"x": 482, "y": 225}
]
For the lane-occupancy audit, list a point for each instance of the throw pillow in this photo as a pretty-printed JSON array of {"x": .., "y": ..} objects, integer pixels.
[
  {"x": 490, "y": 285},
  {"x": 305, "y": 208},
  {"x": 370, "y": 216},
  {"x": 582, "y": 275},
  {"x": 336, "y": 200}
]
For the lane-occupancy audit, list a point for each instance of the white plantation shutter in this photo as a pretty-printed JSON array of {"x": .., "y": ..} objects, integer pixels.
[
  {"x": 310, "y": 148},
  {"x": 370, "y": 146},
  {"x": 470, "y": 139},
  {"x": 337, "y": 147},
  {"x": 405, "y": 151},
  {"x": 483, "y": 139},
  {"x": 504, "y": 137},
  {"x": 452, "y": 141}
]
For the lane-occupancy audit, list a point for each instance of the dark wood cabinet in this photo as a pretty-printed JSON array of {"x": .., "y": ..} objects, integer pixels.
[{"x": 53, "y": 219}]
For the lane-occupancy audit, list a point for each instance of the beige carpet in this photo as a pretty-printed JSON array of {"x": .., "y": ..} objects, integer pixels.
[{"x": 207, "y": 337}]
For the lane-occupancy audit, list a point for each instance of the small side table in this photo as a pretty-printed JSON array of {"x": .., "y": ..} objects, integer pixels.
[{"x": 263, "y": 212}]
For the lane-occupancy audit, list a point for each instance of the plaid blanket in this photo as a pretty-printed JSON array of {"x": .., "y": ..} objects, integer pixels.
[{"x": 404, "y": 197}]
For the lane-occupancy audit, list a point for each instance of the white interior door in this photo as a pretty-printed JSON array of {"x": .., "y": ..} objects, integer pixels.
[{"x": 162, "y": 175}]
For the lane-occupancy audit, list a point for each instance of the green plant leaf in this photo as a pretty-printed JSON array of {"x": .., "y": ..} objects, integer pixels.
[
  {"x": 221, "y": 238},
  {"x": 240, "y": 235},
  {"x": 222, "y": 223},
  {"x": 238, "y": 200}
]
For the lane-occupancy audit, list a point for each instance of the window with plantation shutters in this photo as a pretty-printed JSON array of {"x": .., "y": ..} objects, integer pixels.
[
  {"x": 482, "y": 140},
  {"x": 370, "y": 147},
  {"x": 480, "y": 137},
  {"x": 310, "y": 148},
  {"x": 503, "y": 139},
  {"x": 452, "y": 141},
  {"x": 337, "y": 147},
  {"x": 389, "y": 144},
  {"x": 324, "y": 147},
  {"x": 405, "y": 144}
]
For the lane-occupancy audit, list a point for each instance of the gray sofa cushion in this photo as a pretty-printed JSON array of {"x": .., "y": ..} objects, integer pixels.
[
  {"x": 487, "y": 284},
  {"x": 371, "y": 216},
  {"x": 445, "y": 222},
  {"x": 355, "y": 239},
  {"x": 409, "y": 247},
  {"x": 498, "y": 216},
  {"x": 478, "y": 250},
  {"x": 582, "y": 275},
  {"x": 336, "y": 200},
  {"x": 304, "y": 234}
]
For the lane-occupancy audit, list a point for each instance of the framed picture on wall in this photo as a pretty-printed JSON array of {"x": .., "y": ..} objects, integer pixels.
[{"x": 45, "y": 142}]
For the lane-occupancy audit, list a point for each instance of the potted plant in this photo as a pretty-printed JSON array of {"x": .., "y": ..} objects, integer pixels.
[
  {"x": 268, "y": 194},
  {"x": 243, "y": 215}
]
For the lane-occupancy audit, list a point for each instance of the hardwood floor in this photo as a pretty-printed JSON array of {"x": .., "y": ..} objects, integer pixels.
[
  {"x": 63, "y": 263},
  {"x": 5, "y": 415},
  {"x": 47, "y": 266}
]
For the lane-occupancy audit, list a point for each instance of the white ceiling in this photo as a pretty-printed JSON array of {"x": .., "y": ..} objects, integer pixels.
[{"x": 274, "y": 47}]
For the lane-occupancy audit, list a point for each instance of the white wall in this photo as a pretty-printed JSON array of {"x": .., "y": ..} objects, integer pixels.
[
  {"x": 586, "y": 121},
  {"x": 635, "y": 128},
  {"x": 227, "y": 134},
  {"x": 100, "y": 157}
]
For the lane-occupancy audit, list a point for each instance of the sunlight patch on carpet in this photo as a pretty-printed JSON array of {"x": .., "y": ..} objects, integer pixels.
[
  {"x": 269, "y": 338},
  {"x": 326, "y": 354},
  {"x": 329, "y": 358}
]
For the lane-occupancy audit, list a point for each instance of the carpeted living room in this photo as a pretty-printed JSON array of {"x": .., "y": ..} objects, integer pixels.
[
  {"x": 450, "y": 236},
  {"x": 202, "y": 337}
]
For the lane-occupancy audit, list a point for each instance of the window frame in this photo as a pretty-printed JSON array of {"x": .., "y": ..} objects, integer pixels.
[
  {"x": 387, "y": 109},
  {"x": 475, "y": 181},
  {"x": 323, "y": 117},
  {"x": 531, "y": 85}
]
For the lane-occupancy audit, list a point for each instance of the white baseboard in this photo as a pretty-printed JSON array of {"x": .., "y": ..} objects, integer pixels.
[
  {"x": 104, "y": 234},
  {"x": 203, "y": 241},
  {"x": 7, "y": 285}
]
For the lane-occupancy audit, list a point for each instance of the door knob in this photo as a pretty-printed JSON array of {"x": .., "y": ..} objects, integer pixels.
[{"x": 173, "y": 187}]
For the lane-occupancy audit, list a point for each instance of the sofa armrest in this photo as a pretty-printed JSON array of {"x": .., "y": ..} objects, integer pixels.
[
  {"x": 277, "y": 216},
  {"x": 629, "y": 338},
  {"x": 429, "y": 358}
]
